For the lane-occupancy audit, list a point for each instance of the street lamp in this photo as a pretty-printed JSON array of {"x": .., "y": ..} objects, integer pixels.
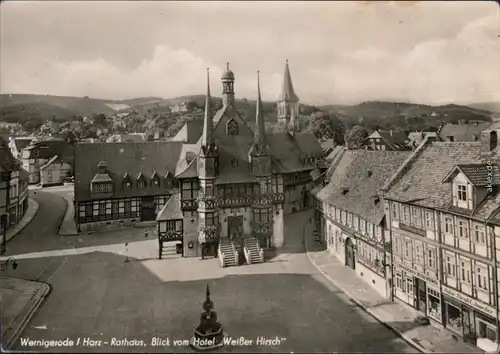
[{"x": 5, "y": 264}]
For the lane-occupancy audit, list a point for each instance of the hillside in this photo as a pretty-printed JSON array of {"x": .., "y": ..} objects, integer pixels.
[
  {"x": 386, "y": 114},
  {"x": 487, "y": 106},
  {"x": 34, "y": 111},
  {"x": 82, "y": 106}
]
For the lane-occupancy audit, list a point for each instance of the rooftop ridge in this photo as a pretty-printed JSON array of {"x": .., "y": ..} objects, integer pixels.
[{"x": 407, "y": 163}]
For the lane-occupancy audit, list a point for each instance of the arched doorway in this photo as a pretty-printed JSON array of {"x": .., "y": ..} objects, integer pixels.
[{"x": 350, "y": 259}]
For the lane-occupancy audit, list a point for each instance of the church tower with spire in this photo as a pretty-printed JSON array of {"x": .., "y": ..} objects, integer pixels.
[
  {"x": 288, "y": 102},
  {"x": 260, "y": 159},
  {"x": 208, "y": 170}
]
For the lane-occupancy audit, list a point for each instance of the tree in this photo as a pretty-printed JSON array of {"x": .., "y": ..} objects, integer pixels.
[
  {"x": 327, "y": 126},
  {"x": 355, "y": 137}
]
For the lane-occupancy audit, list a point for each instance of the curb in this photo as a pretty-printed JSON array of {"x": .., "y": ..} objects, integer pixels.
[
  {"x": 31, "y": 312},
  {"x": 36, "y": 206},
  {"x": 362, "y": 306}
]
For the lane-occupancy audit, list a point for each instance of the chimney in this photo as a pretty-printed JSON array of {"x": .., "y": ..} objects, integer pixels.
[{"x": 390, "y": 132}]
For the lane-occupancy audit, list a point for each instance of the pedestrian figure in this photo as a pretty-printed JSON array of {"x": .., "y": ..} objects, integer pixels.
[{"x": 126, "y": 253}]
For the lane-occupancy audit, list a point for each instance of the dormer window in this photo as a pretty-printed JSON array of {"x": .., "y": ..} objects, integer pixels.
[
  {"x": 155, "y": 180},
  {"x": 141, "y": 181},
  {"x": 127, "y": 183},
  {"x": 169, "y": 180},
  {"x": 232, "y": 127},
  {"x": 102, "y": 187},
  {"x": 462, "y": 192}
]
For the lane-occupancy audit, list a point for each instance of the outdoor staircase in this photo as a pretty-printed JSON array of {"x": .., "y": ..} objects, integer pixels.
[
  {"x": 168, "y": 250},
  {"x": 253, "y": 252},
  {"x": 227, "y": 253}
]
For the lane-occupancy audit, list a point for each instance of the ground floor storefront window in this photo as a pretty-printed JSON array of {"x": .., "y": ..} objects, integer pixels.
[
  {"x": 404, "y": 287},
  {"x": 486, "y": 332},
  {"x": 434, "y": 304},
  {"x": 453, "y": 315}
]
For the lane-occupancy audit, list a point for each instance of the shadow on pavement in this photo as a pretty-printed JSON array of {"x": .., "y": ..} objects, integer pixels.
[{"x": 104, "y": 297}]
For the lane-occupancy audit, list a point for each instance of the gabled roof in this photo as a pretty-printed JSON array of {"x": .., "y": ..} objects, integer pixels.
[
  {"x": 7, "y": 161},
  {"x": 50, "y": 162},
  {"x": 124, "y": 160},
  {"x": 21, "y": 142},
  {"x": 358, "y": 179},
  {"x": 421, "y": 179},
  {"x": 479, "y": 175},
  {"x": 463, "y": 132},
  {"x": 394, "y": 139},
  {"x": 171, "y": 210},
  {"x": 190, "y": 132},
  {"x": 46, "y": 149}
]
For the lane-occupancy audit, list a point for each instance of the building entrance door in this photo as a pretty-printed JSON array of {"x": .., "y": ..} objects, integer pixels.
[
  {"x": 148, "y": 209},
  {"x": 350, "y": 260},
  {"x": 235, "y": 227},
  {"x": 421, "y": 295}
]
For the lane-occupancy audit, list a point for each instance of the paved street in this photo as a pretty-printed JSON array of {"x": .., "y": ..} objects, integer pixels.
[{"x": 96, "y": 294}]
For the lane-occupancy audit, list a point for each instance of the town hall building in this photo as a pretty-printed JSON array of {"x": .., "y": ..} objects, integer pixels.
[{"x": 223, "y": 196}]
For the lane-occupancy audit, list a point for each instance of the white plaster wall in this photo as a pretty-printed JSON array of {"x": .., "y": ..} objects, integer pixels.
[
  {"x": 190, "y": 225},
  {"x": 371, "y": 278}
]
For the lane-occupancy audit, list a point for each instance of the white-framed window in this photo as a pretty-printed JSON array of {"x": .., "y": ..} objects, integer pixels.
[
  {"x": 349, "y": 219},
  {"x": 429, "y": 220},
  {"x": 400, "y": 284},
  {"x": 463, "y": 229},
  {"x": 409, "y": 285},
  {"x": 397, "y": 245},
  {"x": 416, "y": 217},
  {"x": 362, "y": 226},
  {"x": 462, "y": 192},
  {"x": 394, "y": 210},
  {"x": 431, "y": 257},
  {"x": 407, "y": 248},
  {"x": 406, "y": 213},
  {"x": 419, "y": 254},
  {"x": 482, "y": 278},
  {"x": 486, "y": 330},
  {"x": 448, "y": 225},
  {"x": 479, "y": 236},
  {"x": 369, "y": 228},
  {"x": 356, "y": 223},
  {"x": 450, "y": 265},
  {"x": 465, "y": 271}
]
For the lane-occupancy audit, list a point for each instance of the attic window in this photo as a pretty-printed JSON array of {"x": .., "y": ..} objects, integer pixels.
[
  {"x": 155, "y": 182},
  {"x": 234, "y": 163},
  {"x": 232, "y": 127},
  {"x": 168, "y": 182},
  {"x": 141, "y": 184},
  {"x": 105, "y": 187},
  {"x": 127, "y": 185},
  {"x": 345, "y": 191}
]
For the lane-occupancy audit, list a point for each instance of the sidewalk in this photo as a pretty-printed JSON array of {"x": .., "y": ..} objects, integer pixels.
[
  {"x": 68, "y": 225},
  {"x": 25, "y": 220},
  {"x": 19, "y": 301},
  {"x": 396, "y": 316}
]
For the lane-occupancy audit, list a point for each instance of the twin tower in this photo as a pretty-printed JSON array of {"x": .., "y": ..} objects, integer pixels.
[{"x": 287, "y": 103}]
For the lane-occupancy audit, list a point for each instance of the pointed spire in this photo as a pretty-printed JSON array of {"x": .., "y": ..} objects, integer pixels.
[
  {"x": 227, "y": 65},
  {"x": 207, "y": 293},
  {"x": 207, "y": 136},
  {"x": 260, "y": 133},
  {"x": 287, "y": 92}
]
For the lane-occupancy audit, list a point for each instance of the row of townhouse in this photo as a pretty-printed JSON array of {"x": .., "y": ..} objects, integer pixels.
[{"x": 423, "y": 228}]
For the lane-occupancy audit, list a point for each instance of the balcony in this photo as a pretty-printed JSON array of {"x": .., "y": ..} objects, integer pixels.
[
  {"x": 263, "y": 228},
  {"x": 209, "y": 232}
]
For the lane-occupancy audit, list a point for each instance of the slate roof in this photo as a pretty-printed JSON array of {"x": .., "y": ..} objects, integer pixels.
[
  {"x": 46, "y": 149},
  {"x": 395, "y": 140},
  {"x": 362, "y": 173},
  {"x": 190, "y": 132},
  {"x": 422, "y": 182},
  {"x": 479, "y": 175},
  {"x": 131, "y": 159},
  {"x": 171, "y": 210},
  {"x": 287, "y": 91},
  {"x": 463, "y": 132},
  {"x": 22, "y": 142},
  {"x": 7, "y": 161}
]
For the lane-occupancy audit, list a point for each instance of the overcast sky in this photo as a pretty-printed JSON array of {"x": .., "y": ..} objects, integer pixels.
[{"x": 429, "y": 52}]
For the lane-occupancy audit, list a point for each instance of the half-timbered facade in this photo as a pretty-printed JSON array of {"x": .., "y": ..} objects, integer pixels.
[
  {"x": 351, "y": 213},
  {"x": 445, "y": 262},
  {"x": 123, "y": 183},
  {"x": 236, "y": 184}
]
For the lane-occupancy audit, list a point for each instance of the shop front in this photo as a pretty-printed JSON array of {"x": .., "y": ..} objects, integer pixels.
[
  {"x": 470, "y": 319},
  {"x": 419, "y": 291}
]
